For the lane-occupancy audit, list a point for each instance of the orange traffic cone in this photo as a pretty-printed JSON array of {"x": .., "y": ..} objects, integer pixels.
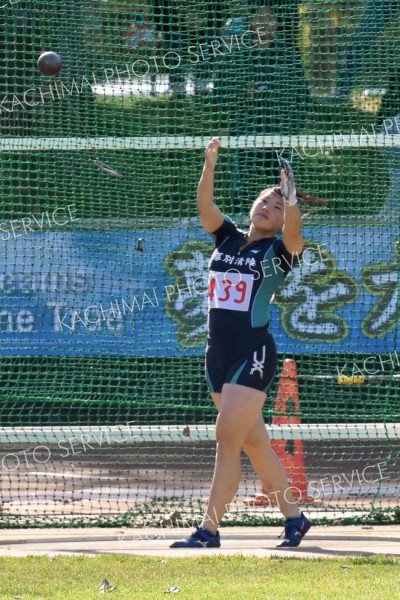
[{"x": 290, "y": 452}]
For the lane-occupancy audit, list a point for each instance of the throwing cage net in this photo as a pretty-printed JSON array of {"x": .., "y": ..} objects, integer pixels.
[{"x": 105, "y": 416}]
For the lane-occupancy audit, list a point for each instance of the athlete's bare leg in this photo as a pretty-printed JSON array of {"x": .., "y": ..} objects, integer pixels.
[
  {"x": 269, "y": 469},
  {"x": 267, "y": 465},
  {"x": 240, "y": 409}
]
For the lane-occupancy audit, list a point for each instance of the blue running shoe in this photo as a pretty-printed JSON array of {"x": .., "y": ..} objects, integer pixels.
[
  {"x": 295, "y": 530},
  {"x": 200, "y": 538}
]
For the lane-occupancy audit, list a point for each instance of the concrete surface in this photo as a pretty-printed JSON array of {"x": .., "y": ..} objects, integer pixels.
[{"x": 320, "y": 542}]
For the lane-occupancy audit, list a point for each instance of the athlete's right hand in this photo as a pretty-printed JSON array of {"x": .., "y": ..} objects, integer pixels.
[{"x": 212, "y": 152}]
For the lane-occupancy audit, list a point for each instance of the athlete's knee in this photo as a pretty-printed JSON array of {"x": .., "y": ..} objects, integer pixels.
[
  {"x": 228, "y": 449},
  {"x": 252, "y": 444},
  {"x": 258, "y": 436},
  {"x": 255, "y": 442},
  {"x": 228, "y": 436}
]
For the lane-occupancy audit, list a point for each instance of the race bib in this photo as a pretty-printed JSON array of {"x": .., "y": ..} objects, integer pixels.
[{"x": 231, "y": 290}]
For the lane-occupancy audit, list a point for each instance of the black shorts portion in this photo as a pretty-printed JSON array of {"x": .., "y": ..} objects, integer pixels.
[{"x": 226, "y": 363}]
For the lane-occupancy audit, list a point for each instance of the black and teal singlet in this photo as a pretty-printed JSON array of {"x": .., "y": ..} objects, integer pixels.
[{"x": 241, "y": 284}]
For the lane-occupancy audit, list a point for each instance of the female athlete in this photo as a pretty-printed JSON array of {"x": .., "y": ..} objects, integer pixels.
[{"x": 244, "y": 272}]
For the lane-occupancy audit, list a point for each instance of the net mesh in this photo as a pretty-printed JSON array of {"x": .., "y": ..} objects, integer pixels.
[{"x": 105, "y": 416}]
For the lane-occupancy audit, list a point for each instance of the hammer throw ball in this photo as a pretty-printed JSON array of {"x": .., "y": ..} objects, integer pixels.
[{"x": 49, "y": 63}]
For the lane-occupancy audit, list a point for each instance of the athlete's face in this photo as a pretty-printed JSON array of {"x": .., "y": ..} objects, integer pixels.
[{"x": 267, "y": 213}]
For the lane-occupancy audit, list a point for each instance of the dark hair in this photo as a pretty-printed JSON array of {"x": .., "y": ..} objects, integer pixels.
[
  {"x": 302, "y": 197},
  {"x": 270, "y": 190}
]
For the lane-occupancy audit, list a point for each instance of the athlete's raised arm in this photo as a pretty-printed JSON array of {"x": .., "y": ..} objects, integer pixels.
[
  {"x": 211, "y": 217},
  {"x": 291, "y": 231}
]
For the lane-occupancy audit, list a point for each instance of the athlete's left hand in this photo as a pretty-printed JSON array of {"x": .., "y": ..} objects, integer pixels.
[{"x": 288, "y": 186}]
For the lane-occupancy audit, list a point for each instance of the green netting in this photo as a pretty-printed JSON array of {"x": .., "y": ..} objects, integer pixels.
[{"x": 105, "y": 416}]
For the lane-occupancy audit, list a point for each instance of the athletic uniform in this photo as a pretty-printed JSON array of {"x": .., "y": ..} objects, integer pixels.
[
  {"x": 241, "y": 284},
  {"x": 240, "y": 348}
]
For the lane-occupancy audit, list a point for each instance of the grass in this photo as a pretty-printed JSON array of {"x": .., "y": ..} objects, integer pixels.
[{"x": 79, "y": 578}]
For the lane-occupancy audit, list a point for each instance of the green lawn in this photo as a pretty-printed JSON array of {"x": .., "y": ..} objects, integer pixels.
[{"x": 239, "y": 578}]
